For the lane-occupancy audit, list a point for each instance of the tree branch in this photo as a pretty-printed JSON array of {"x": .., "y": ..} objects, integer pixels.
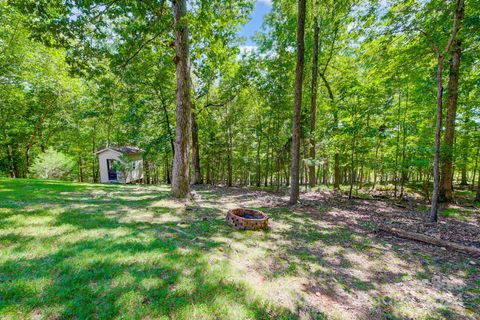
[
  {"x": 140, "y": 49},
  {"x": 456, "y": 24}
]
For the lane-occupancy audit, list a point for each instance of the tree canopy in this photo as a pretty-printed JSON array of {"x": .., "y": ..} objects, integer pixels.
[{"x": 78, "y": 75}]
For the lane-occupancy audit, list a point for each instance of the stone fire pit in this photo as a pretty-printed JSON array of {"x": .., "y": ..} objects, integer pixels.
[{"x": 247, "y": 219}]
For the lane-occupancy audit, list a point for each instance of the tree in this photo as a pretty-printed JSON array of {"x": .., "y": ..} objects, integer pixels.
[
  {"x": 446, "y": 192},
  {"x": 107, "y": 77},
  {"x": 313, "y": 102},
  {"x": 477, "y": 197},
  {"x": 295, "y": 187},
  {"x": 180, "y": 173},
  {"x": 438, "y": 124},
  {"x": 52, "y": 165}
]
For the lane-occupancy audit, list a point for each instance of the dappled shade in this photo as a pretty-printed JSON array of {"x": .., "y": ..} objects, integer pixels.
[{"x": 81, "y": 250}]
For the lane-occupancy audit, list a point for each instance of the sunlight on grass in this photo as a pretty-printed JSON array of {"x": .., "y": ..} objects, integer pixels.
[
  {"x": 92, "y": 250},
  {"x": 98, "y": 251},
  {"x": 456, "y": 213}
]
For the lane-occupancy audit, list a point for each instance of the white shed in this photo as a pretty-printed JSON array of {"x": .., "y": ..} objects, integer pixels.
[{"x": 109, "y": 172}]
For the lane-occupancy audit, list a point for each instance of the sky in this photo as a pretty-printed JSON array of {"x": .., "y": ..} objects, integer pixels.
[{"x": 261, "y": 8}]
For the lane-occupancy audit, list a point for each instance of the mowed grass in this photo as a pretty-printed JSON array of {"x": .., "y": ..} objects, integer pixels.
[
  {"x": 85, "y": 251},
  {"x": 91, "y": 251}
]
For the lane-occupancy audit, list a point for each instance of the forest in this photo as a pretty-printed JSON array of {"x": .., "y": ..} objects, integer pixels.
[
  {"x": 79, "y": 76},
  {"x": 335, "y": 112}
]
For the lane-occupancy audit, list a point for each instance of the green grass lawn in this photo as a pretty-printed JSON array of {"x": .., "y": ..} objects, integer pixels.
[
  {"x": 90, "y": 251},
  {"x": 83, "y": 251}
]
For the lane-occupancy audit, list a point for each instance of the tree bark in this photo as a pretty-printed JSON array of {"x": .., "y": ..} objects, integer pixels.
[
  {"x": 167, "y": 121},
  {"x": 336, "y": 175},
  {"x": 457, "y": 17},
  {"x": 180, "y": 176},
  {"x": 167, "y": 177},
  {"x": 197, "y": 172},
  {"x": 476, "y": 165},
  {"x": 229, "y": 161},
  {"x": 446, "y": 192},
  {"x": 295, "y": 188},
  {"x": 267, "y": 166},
  {"x": 94, "y": 149},
  {"x": 477, "y": 198},
  {"x": 465, "y": 149},
  {"x": 258, "y": 182},
  {"x": 352, "y": 169},
  {"x": 404, "y": 172},
  {"x": 11, "y": 161},
  {"x": 438, "y": 130},
  {"x": 313, "y": 103},
  {"x": 397, "y": 146},
  {"x": 376, "y": 163}
]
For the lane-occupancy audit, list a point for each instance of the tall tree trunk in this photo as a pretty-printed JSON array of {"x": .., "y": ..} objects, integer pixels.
[
  {"x": 278, "y": 178},
  {"x": 146, "y": 169},
  {"x": 180, "y": 176},
  {"x": 477, "y": 198},
  {"x": 458, "y": 16},
  {"x": 167, "y": 179},
  {"x": 476, "y": 166},
  {"x": 167, "y": 121},
  {"x": 267, "y": 166},
  {"x": 209, "y": 172},
  {"x": 352, "y": 159},
  {"x": 11, "y": 161},
  {"x": 465, "y": 148},
  {"x": 80, "y": 169},
  {"x": 94, "y": 165},
  {"x": 229, "y": 161},
  {"x": 313, "y": 104},
  {"x": 13, "y": 173},
  {"x": 295, "y": 188},
  {"x": 404, "y": 172},
  {"x": 397, "y": 146},
  {"x": 375, "y": 170},
  {"x": 258, "y": 182},
  {"x": 446, "y": 192},
  {"x": 197, "y": 173},
  {"x": 336, "y": 175},
  {"x": 438, "y": 130},
  {"x": 352, "y": 169}
]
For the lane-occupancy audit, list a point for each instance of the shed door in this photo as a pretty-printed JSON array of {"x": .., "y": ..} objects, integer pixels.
[{"x": 112, "y": 173}]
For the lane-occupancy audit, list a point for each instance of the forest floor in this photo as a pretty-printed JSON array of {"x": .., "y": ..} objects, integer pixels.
[{"x": 72, "y": 250}]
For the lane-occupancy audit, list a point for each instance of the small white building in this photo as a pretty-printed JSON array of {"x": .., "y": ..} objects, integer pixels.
[{"x": 109, "y": 172}]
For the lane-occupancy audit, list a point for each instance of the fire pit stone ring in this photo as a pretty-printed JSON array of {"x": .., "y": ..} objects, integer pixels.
[{"x": 247, "y": 219}]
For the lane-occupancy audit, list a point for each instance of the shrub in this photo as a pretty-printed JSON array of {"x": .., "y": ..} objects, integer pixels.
[
  {"x": 124, "y": 166},
  {"x": 52, "y": 165}
]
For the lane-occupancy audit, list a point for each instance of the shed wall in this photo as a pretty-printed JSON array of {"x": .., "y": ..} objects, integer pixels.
[{"x": 134, "y": 175}]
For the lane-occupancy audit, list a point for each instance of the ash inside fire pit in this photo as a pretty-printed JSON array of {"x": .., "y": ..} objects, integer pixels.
[{"x": 247, "y": 219}]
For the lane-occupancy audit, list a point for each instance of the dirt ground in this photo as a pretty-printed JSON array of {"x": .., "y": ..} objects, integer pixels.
[{"x": 326, "y": 252}]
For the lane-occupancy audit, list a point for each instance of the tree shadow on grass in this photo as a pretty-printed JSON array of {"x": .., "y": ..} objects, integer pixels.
[
  {"x": 24, "y": 193},
  {"x": 106, "y": 278},
  {"x": 104, "y": 260},
  {"x": 97, "y": 266},
  {"x": 337, "y": 251}
]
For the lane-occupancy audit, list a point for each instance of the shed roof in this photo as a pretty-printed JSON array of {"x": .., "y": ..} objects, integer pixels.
[{"x": 122, "y": 149}]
